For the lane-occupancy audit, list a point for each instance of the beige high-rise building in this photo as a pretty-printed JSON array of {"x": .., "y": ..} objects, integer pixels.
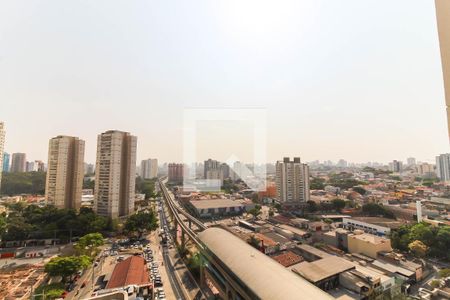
[
  {"x": 2, "y": 148},
  {"x": 443, "y": 21},
  {"x": 65, "y": 172},
  {"x": 292, "y": 181},
  {"x": 149, "y": 168},
  {"x": 115, "y": 174},
  {"x": 18, "y": 162}
]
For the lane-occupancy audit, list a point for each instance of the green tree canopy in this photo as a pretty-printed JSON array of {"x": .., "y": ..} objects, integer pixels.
[
  {"x": 88, "y": 244},
  {"x": 141, "y": 222},
  {"x": 66, "y": 266},
  {"x": 23, "y": 183},
  {"x": 338, "y": 204}
]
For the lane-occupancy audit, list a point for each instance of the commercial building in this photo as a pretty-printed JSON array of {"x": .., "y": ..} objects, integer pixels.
[
  {"x": 115, "y": 174},
  {"x": 324, "y": 273},
  {"x": 443, "y": 167},
  {"x": 18, "y": 162},
  {"x": 6, "y": 161},
  {"x": 292, "y": 182},
  {"x": 368, "y": 244},
  {"x": 216, "y": 207},
  {"x": 2, "y": 147},
  {"x": 65, "y": 172},
  {"x": 443, "y": 22},
  {"x": 176, "y": 173},
  {"x": 149, "y": 168},
  {"x": 373, "y": 225}
]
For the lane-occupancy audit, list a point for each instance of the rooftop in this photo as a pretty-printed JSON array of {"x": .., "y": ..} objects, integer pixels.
[
  {"x": 390, "y": 223},
  {"x": 215, "y": 203},
  {"x": 370, "y": 238},
  {"x": 262, "y": 275},
  {"x": 131, "y": 271},
  {"x": 288, "y": 259},
  {"x": 313, "y": 250},
  {"x": 323, "y": 268}
]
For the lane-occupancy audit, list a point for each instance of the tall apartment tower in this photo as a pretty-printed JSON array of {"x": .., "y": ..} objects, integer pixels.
[
  {"x": 443, "y": 22},
  {"x": 149, "y": 168},
  {"x": 176, "y": 173},
  {"x": 443, "y": 167},
  {"x": 211, "y": 169},
  {"x": 18, "y": 162},
  {"x": 292, "y": 181},
  {"x": 115, "y": 174},
  {"x": 2, "y": 148},
  {"x": 65, "y": 172}
]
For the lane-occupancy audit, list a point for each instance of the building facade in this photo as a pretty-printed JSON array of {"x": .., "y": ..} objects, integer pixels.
[
  {"x": 443, "y": 22},
  {"x": 64, "y": 183},
  {"x": 6, "y": 160},
  {"x": 292, "y": 181},
  {"x": 175, "y": 173},
  {"x": 443, "y": 167},
  {"x": 2, "y": 147},
  {"x": 149, "y": 168},
  {"x": 18, "y": 162},
  {"x": 115, "y": 174},
  {"x": 396, "y": 166}
]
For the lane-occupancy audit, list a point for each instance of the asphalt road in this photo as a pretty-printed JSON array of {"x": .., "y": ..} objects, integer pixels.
[{"x": 168, "y": 264}]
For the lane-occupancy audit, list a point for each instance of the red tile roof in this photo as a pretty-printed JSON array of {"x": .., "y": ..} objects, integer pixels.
[
  {"x": 130, "y": 271},
  {"x": 288, "y": 259}
]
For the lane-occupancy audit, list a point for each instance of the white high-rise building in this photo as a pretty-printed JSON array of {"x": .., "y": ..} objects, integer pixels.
[
  {"x": 292, "y": 181},
  {"x": 65, "y": 172},
  {"x": 115, "y": 174},
  {"x": 411, "y": 161},
  {"x": 2, "y": 148},
  {"x": 149, "y": 168},
  {"x": 443, "y": 167}
]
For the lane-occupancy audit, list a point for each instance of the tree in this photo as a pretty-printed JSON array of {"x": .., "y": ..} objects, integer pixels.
[
  {"x": 360, "y": 190},
  {"x": 435, "y": 284},
  {"x": 23, "y": 183},
  {"x": 444, "y": 273},
  {"x": 194, "y": 264},
  {"x": 88, "y": 244},
  {"x": 66, "y": 266},
  {"x": 374, "y": 210},
  {"x": 312, "y": 206},
  {"x": 255, "y": 212},
  {"x": 141, "y": 222},
  {"x": 317, "y": 183},
  {"x": 442, "y": 244},
  {"x": 418, "y": 248},
  {"x": 422, "y": 232},
  {"x": 338, "y": 204}
]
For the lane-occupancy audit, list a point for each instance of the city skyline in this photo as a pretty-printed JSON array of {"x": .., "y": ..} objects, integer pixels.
[{"x": 326, "y": 98}]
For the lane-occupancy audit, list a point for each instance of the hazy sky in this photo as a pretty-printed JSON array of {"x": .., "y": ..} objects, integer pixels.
[{"x": 353, "y": 79}]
